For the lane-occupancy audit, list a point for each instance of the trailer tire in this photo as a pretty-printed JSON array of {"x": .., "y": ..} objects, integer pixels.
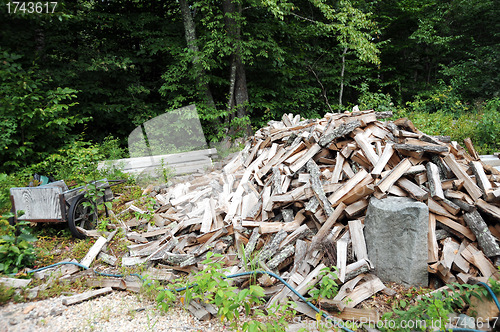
[{"x": 82, "y": 214}]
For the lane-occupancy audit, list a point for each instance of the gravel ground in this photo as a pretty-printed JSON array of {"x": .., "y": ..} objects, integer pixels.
[{"x": 118, "y": 311}]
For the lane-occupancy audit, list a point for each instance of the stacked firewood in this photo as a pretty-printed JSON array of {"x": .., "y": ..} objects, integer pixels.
[{"x": 294, "y": 200}]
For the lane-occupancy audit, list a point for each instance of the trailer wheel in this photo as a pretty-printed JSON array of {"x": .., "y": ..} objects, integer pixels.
[{"x": 82, "y": 214}]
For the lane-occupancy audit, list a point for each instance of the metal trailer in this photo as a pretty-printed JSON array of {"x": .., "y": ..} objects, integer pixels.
[{"x": 55, "y": 203}]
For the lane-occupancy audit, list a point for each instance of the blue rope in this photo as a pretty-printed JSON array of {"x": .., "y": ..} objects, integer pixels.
[{"x": 312, "y": 306}]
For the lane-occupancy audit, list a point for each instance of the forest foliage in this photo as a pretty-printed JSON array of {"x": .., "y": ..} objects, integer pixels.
[{"x": 92, "y": 70}]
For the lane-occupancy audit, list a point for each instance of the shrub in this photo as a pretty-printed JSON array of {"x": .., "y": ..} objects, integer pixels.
[{"x": 16, "y": 246}]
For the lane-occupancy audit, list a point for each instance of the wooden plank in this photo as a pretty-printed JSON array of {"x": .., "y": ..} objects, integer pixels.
[
  {"x": 473, "y": 190},
  {"x": 86, "y": 296},
  {"x": 38, "y": 203},
  {"x": 327, "y": 226},
  {"x": 93, "y": 252},
  {"x": 460, "y": 263},
  {"x": 457, "y": 227},
  {"x": 358, "y": 239},
  {"x": 387, "y": 181},
  {"x": 309, "y": 281},
  {"x": 359, "y": 315},
  {"x": 14, "y": 282}
]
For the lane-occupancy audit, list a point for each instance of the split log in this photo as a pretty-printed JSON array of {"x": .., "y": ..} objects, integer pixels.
[
  {"x": 343, "y": 130},
  {"x": 358, "y": 239},
  {"x": 473, "y": 190},
  {"x": 395, "y": 174},
  {"x": 434, "y": 181},
  {"x": 317, "y": 187},
  {"x": 412, "y": 189},
  {"x": 485, "y": 239}
]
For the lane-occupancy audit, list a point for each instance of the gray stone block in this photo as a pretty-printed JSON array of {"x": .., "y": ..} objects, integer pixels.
[{"x": 396, "y": 239}]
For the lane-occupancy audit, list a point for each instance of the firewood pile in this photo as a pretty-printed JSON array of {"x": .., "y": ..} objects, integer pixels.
[{"x": 294, "y": 201}]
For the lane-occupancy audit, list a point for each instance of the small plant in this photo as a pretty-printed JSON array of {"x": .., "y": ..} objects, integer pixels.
[
  {"x": 16, "y": 245},
  {"x": 212, "y": 286},
  {"x": 430, "y": 310},
  {"x": 327, "y": 288}
]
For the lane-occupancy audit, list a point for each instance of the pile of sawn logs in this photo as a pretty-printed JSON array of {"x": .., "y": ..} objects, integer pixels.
[{"x": 294, "y": 201}]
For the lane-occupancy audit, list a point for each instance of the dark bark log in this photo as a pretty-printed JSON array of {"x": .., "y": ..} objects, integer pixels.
[
  {"x": 342, "y": 130},
  {"x": 485, "y": 239}
]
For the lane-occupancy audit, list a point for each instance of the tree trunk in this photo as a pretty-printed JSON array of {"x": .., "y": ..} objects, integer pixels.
[
  {"x": 238, "y": 91},
  {"x": 190, "y": 34},
  {"x": 342, "y": 79}
]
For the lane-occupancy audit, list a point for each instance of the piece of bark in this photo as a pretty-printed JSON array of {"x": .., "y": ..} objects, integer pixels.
[
  {"x": 355, "y": 269},
  {"x": 86, "y": 296},
  {"x": 272, "y": 247},
  {"x": 252, "y": 242},
  {"x": 485, "y": 239},
  {"x": 284, "y": 253},
  {"x": 431, "y": 148}
]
